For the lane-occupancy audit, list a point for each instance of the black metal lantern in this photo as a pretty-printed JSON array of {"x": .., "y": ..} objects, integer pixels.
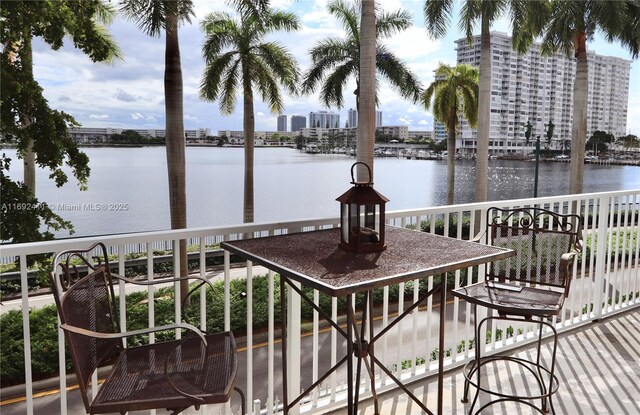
[{"x": 362, "y": 217}]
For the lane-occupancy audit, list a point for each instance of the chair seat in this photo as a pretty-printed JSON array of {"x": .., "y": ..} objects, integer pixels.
[
  {"x": 530, "y": 301},
  {"x": 138, "y": 379}
]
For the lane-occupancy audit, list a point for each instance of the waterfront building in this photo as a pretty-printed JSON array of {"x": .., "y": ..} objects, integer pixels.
[
  {"x": 398, "y": 132},
  {"x": 420, "y": 134},
  {"x": 282, "y": 123},
  {"x": 439, "y": 131},
  {"x": 298, "y": 122},
  {"x": 324, "y": 119},
  {"x": 313, "y": 133},
  {"x": 540, "y": 89},
  {"x": 92, "y": 135},
  {"x": 353, "y": 118}
]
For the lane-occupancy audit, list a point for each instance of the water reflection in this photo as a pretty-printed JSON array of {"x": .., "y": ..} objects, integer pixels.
[{"x": 288, "y": 184}]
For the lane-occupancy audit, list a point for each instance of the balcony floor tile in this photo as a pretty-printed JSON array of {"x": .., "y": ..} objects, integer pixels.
[{"x": 598, "y": 366}]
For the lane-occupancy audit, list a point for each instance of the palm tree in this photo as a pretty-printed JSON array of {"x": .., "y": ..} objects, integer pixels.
[
  {"x": 571, "y": 25},
  {"x": 336, "y": 60},
  {"x": 367, "y": 95},
  {"x": 237, "y": 56},
  {"x": 455, "y": 89},
  {"x": 152, "y": 17},
  {"x": 527, "y": 19}
]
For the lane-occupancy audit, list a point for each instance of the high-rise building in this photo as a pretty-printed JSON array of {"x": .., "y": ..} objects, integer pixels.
[
  {"x": 324, "y": 119},
  {"x": 298, "y": 122},
  {"x": 353, "y": 118},
  {"x": 540, "y": 89},
  {"x": 439, "y": 131},
  {"x": 282, "y": 123}
]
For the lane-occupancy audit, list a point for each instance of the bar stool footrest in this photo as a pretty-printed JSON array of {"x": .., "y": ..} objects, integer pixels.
[{"x": 546, "y": 391}]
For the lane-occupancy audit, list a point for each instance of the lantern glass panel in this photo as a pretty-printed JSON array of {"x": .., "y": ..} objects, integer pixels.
[
  {"x": 353, "y": 221},
  {"x": 345, "y": 222},
  {"x": 376, "y": 218},
  {"x": 370, "y": 217}
]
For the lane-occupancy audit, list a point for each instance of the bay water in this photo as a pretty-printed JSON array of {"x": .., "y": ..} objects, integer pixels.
[{"x": 128, "y": 190}]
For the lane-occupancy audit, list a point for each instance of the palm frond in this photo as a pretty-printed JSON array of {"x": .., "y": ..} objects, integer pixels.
[
  {"x": 618, "y": 21},
  {"x": 266, "y": 84},
  {"x": 325, "y": 56},
  {"x": 255, "y": 8},
  {"x": 105, "y": 12},
  {"x": 281, "y": 63},
  {"x": 398, "y": 74},
  {"x": 333, "y": 49},
  {"x": 231, "y": 79},
  {"x": 528, "y": 19},
  {"x": 221, "y": 32},
  {"x": 331, "y": 93},
  {"x": 470, "y": 14},
  {"x": 280, "y": 20},
  {"x": 108, "y": 50},
  {"x": 149, "y": 15},
  {"x": 388, "y": 23},
  {"x": 348, "y": 16},
  {"x": 211, "y": 81},
  {"x": 437, "y": 14},
  {"x": 567, "y": 19}
]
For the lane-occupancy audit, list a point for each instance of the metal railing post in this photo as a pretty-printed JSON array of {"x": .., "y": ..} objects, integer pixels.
[
  {"x": 601, "y": 256},
  {"x": 26, "y": 330},
  {"x": 293, "y": 345}
]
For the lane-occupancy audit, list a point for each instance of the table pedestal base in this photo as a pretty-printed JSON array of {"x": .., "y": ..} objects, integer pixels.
[{"x": 362, "y": 349}]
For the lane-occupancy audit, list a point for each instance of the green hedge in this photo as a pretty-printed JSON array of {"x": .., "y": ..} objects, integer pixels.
[
  {"x": 43, "y": 321},
  {"x": 622, "y": 242}
]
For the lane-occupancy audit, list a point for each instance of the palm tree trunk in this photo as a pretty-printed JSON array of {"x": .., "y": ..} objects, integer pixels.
[
  {"x": 249, "y": 135},
  {"x": 451, "y": 156},
  {"x": 367, "y": 89},
  {"x": 28, "y": 156},
  {"x": 579, "y": 125},
  {"x": 484, "y": 113},
  {"x": 175, "y": 141}
]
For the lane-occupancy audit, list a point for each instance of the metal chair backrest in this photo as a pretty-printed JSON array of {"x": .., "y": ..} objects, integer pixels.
[
  {"x": 86, "y": 302},
  {"x": 540, "y": 238}
]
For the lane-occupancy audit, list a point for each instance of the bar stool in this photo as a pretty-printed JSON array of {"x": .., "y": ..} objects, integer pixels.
[{"x": 529, "y": 287}]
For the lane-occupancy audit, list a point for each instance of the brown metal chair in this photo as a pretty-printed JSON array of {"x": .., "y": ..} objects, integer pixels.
[
  {"x": 530, "y": 286},
  {"x": 196, "y": 370}
]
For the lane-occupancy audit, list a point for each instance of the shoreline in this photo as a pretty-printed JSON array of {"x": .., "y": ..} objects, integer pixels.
[{"x": 608, "y": 162}]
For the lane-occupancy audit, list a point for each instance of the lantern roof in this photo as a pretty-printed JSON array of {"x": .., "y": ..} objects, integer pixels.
[{"x": 363, "y": 195}]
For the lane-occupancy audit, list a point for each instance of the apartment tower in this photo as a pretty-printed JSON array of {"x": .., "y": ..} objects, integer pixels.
[
  {"x": 282, "y": 123},
  {"x": 324, "y": 119},
  {"x": 540, "y": 89},
  {"x": 298, "y": 122},
  {"x": 353, "y": 118}
]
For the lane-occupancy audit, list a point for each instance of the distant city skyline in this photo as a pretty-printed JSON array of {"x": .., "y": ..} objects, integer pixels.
[{"x": 129, "y": 92}]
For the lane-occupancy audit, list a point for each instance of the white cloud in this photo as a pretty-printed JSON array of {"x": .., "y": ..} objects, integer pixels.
[
  {"x": 405, "y": 120},
  {"x": 412, "y": 44},
  {"x": 145, "y": 117},
  {"x": 108, "y": 94}
]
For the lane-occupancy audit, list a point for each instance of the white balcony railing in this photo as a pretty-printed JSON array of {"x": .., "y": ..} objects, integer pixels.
[{"x": 607, "y": 280}]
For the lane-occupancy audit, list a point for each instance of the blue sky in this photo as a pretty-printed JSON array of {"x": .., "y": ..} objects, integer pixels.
[{"x": 128, "y": 93}]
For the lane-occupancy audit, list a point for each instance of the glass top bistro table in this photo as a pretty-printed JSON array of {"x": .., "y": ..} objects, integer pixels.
[{"x": 314, "y": 259}]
